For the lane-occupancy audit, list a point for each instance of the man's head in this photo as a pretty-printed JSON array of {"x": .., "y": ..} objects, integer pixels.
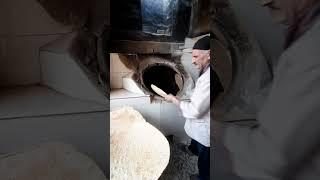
[
  {"x": 287, "y": 11},
  {"x": 201, "y": 53}
]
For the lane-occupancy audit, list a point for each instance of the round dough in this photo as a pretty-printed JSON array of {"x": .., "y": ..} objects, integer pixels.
[{"x": 138, "y": 150}]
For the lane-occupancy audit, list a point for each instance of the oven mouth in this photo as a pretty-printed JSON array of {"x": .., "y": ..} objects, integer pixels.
[{"x": 167, "y": 78}]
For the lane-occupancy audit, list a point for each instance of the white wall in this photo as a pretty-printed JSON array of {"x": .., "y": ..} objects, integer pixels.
[
  {"x": 117, "y": 71},
  {"x": 25, "y": 27}
]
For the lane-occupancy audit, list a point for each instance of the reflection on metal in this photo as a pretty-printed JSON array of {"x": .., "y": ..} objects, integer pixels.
[
  {"x": 147, "y": 20},
  {"x": 158, "y": 17}
]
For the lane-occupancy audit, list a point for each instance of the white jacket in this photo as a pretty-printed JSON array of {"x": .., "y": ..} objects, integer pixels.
[{"x": 197, "y": 111}]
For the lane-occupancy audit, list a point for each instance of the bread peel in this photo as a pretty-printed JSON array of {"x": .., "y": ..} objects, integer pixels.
[{"x": 158, "y": 90}]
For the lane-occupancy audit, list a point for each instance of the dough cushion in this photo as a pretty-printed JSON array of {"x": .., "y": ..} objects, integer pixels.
[{"x": 138, "y": 150}]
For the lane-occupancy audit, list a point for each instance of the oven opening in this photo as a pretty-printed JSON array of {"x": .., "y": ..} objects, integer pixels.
[{"x": 164, "y": 77}]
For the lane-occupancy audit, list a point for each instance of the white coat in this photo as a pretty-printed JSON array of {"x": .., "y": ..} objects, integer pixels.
[{"x": 197, "y": 111}]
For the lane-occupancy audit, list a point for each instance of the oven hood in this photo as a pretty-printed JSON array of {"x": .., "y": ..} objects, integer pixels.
[{"x": 142, "y": 27}]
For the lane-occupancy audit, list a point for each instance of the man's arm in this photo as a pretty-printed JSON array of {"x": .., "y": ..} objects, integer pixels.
[
  {"x": 199, "y": 104},
  {"x": 199, "y": 101}
]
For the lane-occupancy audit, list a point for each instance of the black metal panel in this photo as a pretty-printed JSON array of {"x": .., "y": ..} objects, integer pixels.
[
  {"x": 149, "y": 20},
  {"x": 126, "y": 14}
]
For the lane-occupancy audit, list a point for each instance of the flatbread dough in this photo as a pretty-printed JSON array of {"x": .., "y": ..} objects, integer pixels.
[
  {"x": 138, "y": 150},
  {"x": 158, "y": 90}
]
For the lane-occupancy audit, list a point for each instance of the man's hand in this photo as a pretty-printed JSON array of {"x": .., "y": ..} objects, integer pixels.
[{"x": 171, "y": 98}]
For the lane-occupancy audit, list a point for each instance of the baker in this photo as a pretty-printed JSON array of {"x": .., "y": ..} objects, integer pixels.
[{"x": 197, "y": 111}]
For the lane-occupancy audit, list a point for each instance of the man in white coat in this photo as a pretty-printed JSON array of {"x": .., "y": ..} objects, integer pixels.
[{"x": 197, "y": 111}]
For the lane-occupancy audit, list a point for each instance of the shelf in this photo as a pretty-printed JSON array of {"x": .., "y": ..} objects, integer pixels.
[{"x": 123, "y": 94}]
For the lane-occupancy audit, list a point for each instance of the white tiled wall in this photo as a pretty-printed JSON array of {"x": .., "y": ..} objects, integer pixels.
[
  {"x": 171, "y": 120},
  {"x": 117, "y": 71}
]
